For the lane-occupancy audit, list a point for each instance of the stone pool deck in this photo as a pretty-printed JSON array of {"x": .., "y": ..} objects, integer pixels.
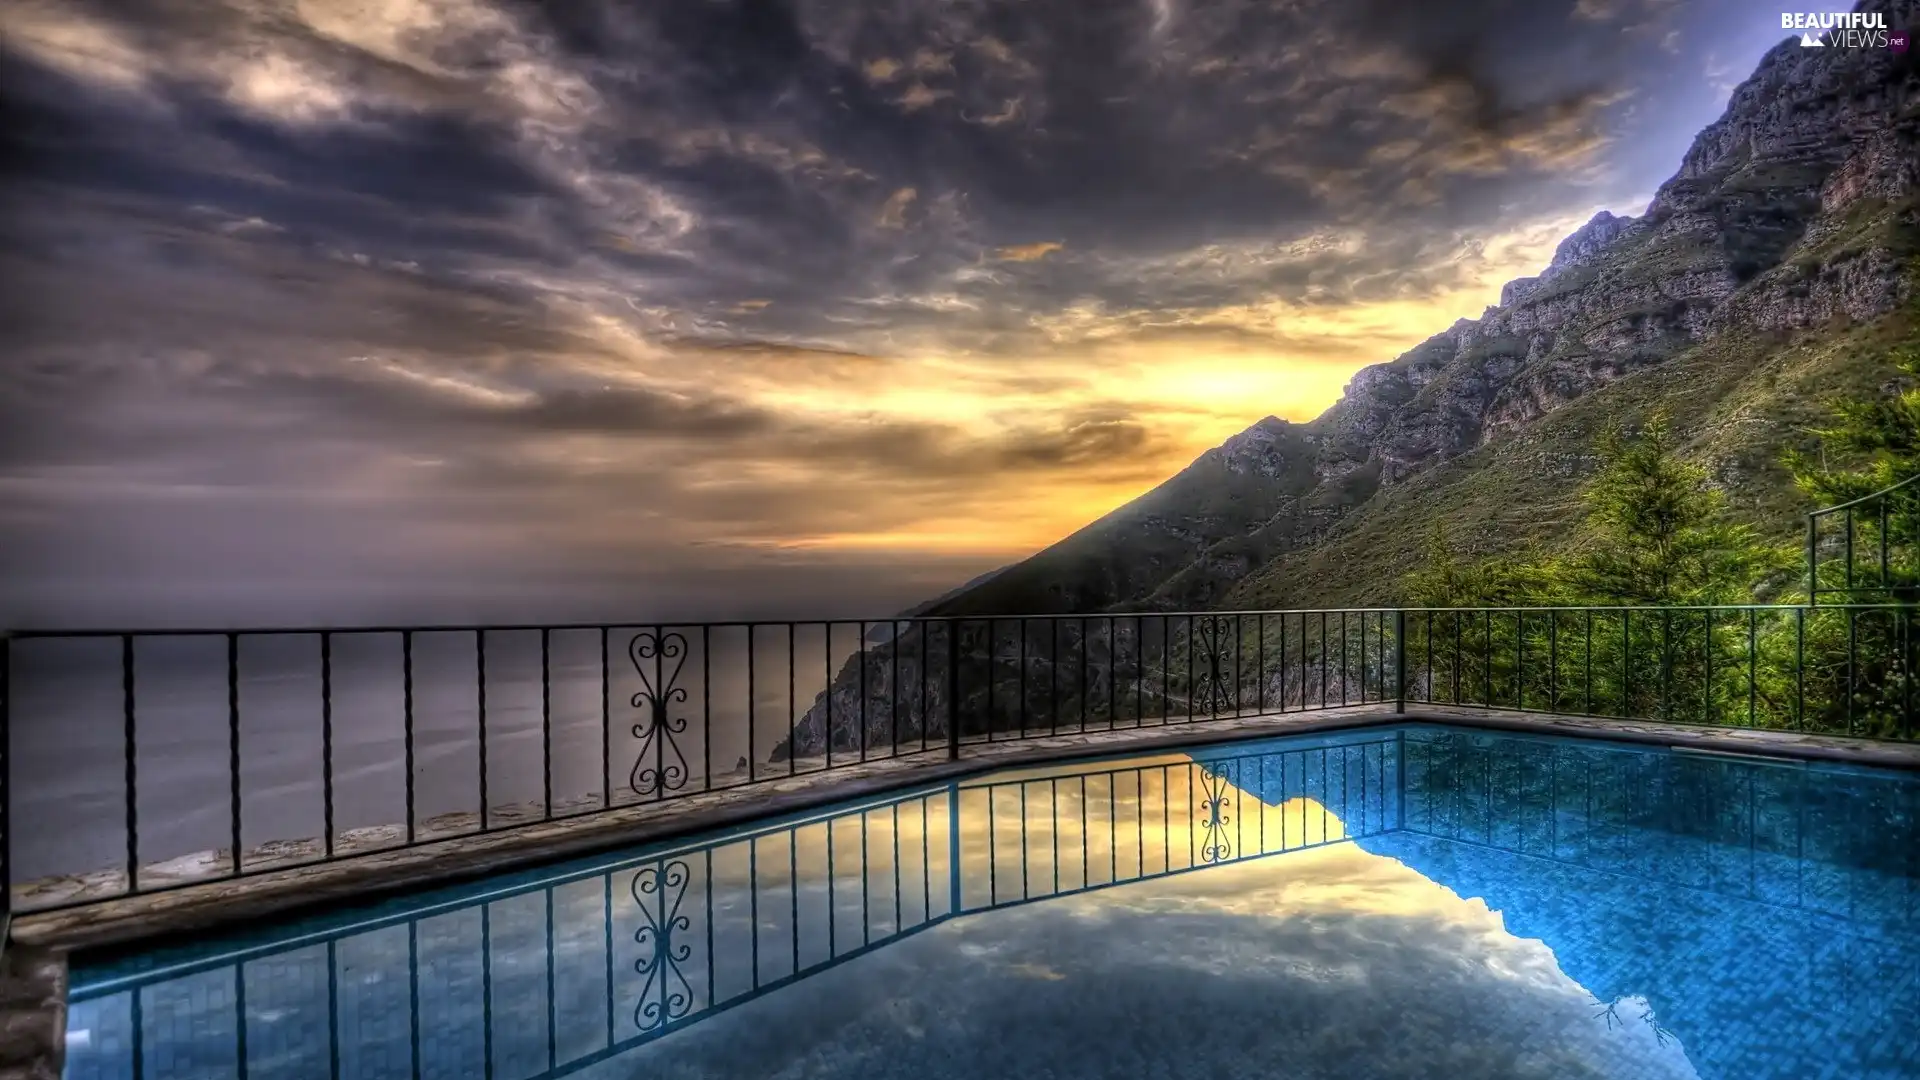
[{"x": 31, "y": 1006}]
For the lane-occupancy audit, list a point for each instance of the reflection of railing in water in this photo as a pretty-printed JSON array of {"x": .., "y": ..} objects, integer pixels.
[
  {"x": 653, "y": 945},
  {"x": 547, "y": 978}
]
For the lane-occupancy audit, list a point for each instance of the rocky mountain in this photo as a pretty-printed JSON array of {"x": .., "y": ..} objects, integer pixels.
[
  {"x": 1795, "y": 212},
  {"x": 1757, "y": 284}
]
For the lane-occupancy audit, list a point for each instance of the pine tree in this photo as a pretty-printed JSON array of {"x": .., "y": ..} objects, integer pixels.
[{"x": 1657, "y": 532}]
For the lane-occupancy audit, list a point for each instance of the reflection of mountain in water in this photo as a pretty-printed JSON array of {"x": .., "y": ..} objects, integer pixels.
[{"x": 1763, "y": 915}]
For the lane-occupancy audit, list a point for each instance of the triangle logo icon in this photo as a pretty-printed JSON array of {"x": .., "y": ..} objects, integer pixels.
[{"x": 1808, "y": 41}]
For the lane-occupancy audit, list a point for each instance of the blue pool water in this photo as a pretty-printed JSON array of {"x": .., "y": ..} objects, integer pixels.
[{"x": 1413, "y": 902}]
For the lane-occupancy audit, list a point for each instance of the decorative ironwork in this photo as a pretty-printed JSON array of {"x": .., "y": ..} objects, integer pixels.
[
  {"x": 653, "y": 772},
  {"x": 1216, "y": 845},
  {"x": 1213, "y": 689},
  {"x": 665, "y": 993}
]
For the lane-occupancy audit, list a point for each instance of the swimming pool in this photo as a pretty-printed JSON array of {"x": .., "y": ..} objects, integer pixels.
[{"x": 1402, "y": 902}]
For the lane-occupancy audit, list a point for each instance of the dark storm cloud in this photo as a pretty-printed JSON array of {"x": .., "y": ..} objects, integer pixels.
[{"x": 434, "y": 253}]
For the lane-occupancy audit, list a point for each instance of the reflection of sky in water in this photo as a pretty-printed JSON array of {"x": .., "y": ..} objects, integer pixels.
[{"x": 1115, "y": 949}]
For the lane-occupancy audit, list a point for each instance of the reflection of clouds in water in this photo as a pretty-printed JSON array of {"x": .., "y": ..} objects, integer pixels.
[{"x": 1334, "y": 961}]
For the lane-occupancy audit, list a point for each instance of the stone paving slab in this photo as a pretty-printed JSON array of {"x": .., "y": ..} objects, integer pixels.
[{"x": 33, "y": 968}]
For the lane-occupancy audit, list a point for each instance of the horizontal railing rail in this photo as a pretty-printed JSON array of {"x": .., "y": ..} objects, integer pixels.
[{"x": 133, "y": 762}]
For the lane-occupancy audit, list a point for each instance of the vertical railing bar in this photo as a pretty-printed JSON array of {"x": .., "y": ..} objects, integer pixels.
[
  {"x": 1399, "y": 660},
  {"x": 326, "y": 739},
  {"x": 1192, "y": 633},
  {"x": 132, "y": 771},
  {"x": 1520, "y": 660},
  {"x": 1799, "y": 668},
  {"x": 1323, "y": 659},
  {"x": 925, "y": 632},
  {"x": 793, "y": 701},
  {"x": 1113, "y": 674},
  {"x": 480, "y": 669},
  {"x": 233, "y": 749},
  {"x": 407, "y": 732},
  {"x": 1427, "y": 659},
  {"x": 706, "y": 701},
  {"x": 1886, "y": 574},
  {"x": 1486, "y": 670},
  {"x": 1343, "y": 660},
  {"x": 1260, "y": 662},
  {"x": 1848, "y": 519},
  {"x": 993, "y": 647},
  {"x": 1753, "y": 667},
  {"x": 1459, "y": 658},
  {"x": 1139, "y": 671},
  {"x": 1626, "y": 662},
  {"x": 1813, "y": 558},
  {"x": 893, "y": 689},
  {"x": 1586, "y": 694},
  {"x": 658, "y": 705},
  {"x": 1553, "y": 660},
  {"x": 953, "y": 709},
  {"x": 1053, "y": 680},
  {"x": 1706, "y": 619},
  {"x": 1853, "y": 627},
  {"x": 1282, "y": 643},
  {"x": 1083, "y": 671},
  {"x": 606, "y": 731},
  {"x": 546, "y": 730},
  {"x": 860, "y": 643},
  {"x": 1166, "y": 669},
  {"x": 1022, "y": 681},
  {"x": 826, "y": 696},
  {"x": 1239, "y": 633}
]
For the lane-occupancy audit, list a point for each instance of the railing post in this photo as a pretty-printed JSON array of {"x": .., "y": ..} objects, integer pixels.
[
  {"x": 1399, "y": 660},
  {"x": 953, "y": 692}
]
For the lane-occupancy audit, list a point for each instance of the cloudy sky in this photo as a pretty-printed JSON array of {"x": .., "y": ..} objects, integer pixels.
[{"x": 324, "y": 310}]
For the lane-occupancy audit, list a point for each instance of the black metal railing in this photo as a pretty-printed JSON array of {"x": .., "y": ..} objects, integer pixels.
[
  {"x": 137, "y": 762},
  {"x": 1867, "y": 550},
  {"x": 550, "y": 977}
]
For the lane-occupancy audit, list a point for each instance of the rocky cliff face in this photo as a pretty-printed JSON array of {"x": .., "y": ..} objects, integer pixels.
[{"x": 1796, "y": 210}]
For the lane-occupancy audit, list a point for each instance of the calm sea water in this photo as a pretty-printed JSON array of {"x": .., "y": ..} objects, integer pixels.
[
  {"x": 69, "y": 732},
  {"x": 1408, "y": 903}
]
